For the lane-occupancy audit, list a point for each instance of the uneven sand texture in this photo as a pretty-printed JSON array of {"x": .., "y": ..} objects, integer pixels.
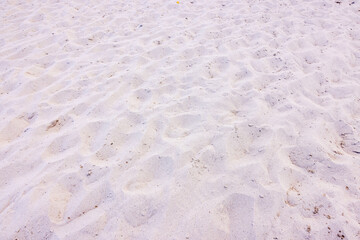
[{"x": 198, "y": 120}]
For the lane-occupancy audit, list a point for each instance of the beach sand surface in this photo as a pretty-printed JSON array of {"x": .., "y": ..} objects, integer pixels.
[{"x": 194, "y": 120}]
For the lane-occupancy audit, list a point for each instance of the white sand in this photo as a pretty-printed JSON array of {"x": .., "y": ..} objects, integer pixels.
[{"x": 199, "y": 120}]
